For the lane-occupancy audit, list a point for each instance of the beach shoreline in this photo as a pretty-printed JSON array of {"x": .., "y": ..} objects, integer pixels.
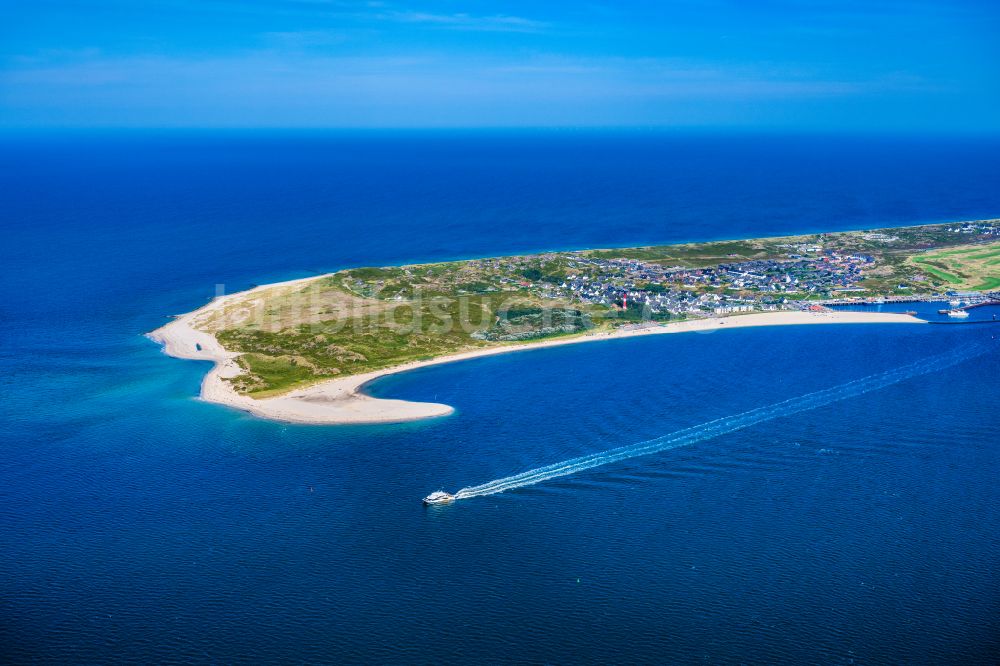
[{"x": 343, "y": 401}]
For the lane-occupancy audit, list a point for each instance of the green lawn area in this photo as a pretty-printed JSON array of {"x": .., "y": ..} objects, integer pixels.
[
  {"x": 972, "y": 252},
  {"x": 968, "y": 267},
  {"x": 988, "y": 284},
  {"x": 950, "y": 253},
  {"x": 947, "y": 277}
]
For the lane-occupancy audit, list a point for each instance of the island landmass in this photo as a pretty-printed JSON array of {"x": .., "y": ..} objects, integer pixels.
[{"x": 303, "y": 350}]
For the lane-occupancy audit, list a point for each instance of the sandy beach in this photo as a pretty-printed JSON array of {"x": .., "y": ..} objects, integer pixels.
[{"x": 343, "y": 400}]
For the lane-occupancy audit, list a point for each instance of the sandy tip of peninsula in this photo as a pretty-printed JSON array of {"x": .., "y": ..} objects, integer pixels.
[{"x": 343, "y": 400}]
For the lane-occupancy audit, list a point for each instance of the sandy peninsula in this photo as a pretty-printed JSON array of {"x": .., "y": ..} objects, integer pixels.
[{"x": 343, "y": 400}]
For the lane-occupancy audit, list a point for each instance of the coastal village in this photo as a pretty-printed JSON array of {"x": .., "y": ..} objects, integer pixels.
[
  {"x": 802, "y": 275},
  {"x": 727, "y": 288}
]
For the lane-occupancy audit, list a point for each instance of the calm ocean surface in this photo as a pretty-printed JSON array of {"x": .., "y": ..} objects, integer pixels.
[{"x": 138, "y": 524}]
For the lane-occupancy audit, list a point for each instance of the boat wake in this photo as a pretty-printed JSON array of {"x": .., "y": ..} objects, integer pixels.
[{"x": 728, "y": 424}]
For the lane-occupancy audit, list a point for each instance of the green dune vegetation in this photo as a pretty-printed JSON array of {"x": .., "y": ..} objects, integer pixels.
[
  {"x": 972, "y": 267},
  {"x": 362, "y": 319}
]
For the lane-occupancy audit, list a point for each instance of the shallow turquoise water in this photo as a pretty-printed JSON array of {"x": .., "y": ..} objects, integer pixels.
[{"x": 137, "y": 523}]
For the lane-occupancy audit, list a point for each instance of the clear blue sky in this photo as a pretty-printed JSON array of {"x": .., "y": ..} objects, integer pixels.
[{"x": 868, "y": 65}]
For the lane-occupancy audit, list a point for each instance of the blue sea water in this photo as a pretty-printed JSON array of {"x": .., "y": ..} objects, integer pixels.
[
  {"x": 139, "y": 524},
  {"x": 930, "y": 311}
]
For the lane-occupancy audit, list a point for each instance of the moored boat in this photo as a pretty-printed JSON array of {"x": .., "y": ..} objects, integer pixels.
[{"x": 958, "y": 314}]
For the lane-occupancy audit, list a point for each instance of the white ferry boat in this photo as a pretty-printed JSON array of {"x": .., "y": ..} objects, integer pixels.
[
  {"x": 439, "y": 497},
  {"x": 958, "y": 314}
]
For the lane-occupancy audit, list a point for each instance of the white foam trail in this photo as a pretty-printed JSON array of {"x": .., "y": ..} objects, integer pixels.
[{"x": 727, "y": 424}]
